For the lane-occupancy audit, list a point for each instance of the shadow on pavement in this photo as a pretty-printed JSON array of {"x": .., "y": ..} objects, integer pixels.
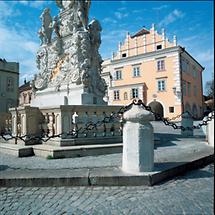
[{"x": 4, "y": 167}]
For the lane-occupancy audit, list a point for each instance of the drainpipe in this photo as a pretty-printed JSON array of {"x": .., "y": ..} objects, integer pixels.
[{"x": 182, "y": 96}]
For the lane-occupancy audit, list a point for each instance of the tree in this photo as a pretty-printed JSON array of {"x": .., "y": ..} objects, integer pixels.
[{"x": 209, "y": 88}]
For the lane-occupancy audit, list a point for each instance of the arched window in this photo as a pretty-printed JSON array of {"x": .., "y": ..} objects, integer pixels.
[{"x": 125, "y": 96}]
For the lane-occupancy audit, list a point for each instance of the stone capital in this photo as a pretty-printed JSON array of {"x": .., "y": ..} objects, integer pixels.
[{"x": 138, "y": 114}]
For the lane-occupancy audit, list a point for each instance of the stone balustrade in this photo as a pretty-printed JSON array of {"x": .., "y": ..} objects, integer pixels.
[
  {"x": 5, "y": 122},
  {"x": 68, "y": 120}
]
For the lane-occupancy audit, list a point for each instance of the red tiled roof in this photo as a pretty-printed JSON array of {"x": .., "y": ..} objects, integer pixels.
[{"x": 140, "y": 33}]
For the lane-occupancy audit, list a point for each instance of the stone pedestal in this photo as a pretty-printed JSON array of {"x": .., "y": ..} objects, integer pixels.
[
  {"x": 187, "y": 122},
  {"x": 73, "y": 95},
  {"x": 138, "y": 141}
]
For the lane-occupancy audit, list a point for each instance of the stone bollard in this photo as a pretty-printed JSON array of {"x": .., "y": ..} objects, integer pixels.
[
  {"x": 204, "y": 128},
  {"x": 187, "y": 121},
  {"x": 138, "y": 141},
  {"x": 210, "y": 131}
]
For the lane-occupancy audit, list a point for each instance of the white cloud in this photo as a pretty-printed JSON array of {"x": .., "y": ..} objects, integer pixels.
[
  {"x": 16, "y": 46},
  {"x": 120, "y": 15},
  {"x": 7, "y": 10},
  {"x": 24, "y": 2},
  {"x": 206, "y": 56},
  {"x": 171, "y": 17},
  {"x": 160, "y": 7},
  {"x": 109, "y": 20},
  {"x": 38, "y": 4}
]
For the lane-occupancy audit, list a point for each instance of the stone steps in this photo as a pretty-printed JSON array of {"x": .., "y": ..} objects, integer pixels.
[
  {"x": 16, "y": 150},
  {"x": 54, "y": 152},
  {"x": 48, "y": 151}
]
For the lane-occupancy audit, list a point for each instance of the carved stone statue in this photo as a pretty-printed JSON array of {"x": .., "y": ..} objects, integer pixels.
[
  {"x": 46, "y": 25},
  {"x": 41, "y": 36},
  {"x": 83, "y": 12},
  {"x": 65, "y": 4},
  {"x": 71, "y": 64},
  {"x": 56, "y": 26}
]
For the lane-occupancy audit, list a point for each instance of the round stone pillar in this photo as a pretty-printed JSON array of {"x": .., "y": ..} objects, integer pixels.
[{"x": 138, "y": 141}]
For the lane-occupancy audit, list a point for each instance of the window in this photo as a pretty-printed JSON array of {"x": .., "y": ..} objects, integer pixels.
[
  {"x": 188, "y": 88},
  {"x": 135, "y": 93},
  {"x": 160, "y": 65},
  {"x": 161, "y": 85},
  {"x": 136, "y": 71},
  {"x": 195, "y": 90},
  {"x": 116, "y": 95},
  {"x": 184, "y": 88},
  {"x": 118, "y": 75},
  {"x": 184, "y": 65},
  {"x": 159, "y": 47},
  {"x": 171, "y": 109},
  {"x": 10, "y": 84},
  {"x": 29, "y": 96},
  {"x": 125, "y": 96},
  {"x": 10, "y": 103},
  {"x": 124, "y": 55},
  {"x": 194, "y": 72}
]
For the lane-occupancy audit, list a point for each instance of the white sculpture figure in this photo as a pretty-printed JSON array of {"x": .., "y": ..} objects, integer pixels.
[
  {"x": 83, "y": 12},
  {"x": 46, "y": 25},
  {"x": 65, "y": 4},
  {"x": 41, "y": 36},
  {"x": 56, "y": 26},
  {"x": 95, "y": 33},
  {"x": 96, "y": 60}
]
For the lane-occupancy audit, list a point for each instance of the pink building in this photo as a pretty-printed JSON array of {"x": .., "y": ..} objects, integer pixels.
[{"x": 161, "y": 73}]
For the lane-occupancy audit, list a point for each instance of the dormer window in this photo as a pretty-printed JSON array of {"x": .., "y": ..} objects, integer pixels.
[
  {"x": 159, "y": 47},
  {"x": 124, "y": 55}
]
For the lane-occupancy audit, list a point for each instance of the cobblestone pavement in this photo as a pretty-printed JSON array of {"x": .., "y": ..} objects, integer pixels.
[{"x": 189, "y": 194}]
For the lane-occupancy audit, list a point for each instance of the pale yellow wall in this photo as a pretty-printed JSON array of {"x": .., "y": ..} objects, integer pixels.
[{"x": 148, "y": 77}]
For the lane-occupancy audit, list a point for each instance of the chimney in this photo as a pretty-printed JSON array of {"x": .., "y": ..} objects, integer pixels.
[
  {"x": 163, "y": 38},
  {"x": 153, "y": 36},
  {"x": 127, "y": 37},
  {"x": 175, "y": 40},
  {"x": 144, "y": 43}
]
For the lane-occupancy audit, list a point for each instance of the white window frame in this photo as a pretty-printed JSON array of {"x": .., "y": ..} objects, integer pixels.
[
  {"x": 136, "y": 71},
  {"x": 161, "y": 85},
  {"x": 160, "y": 65},
  {"x": 116, "y": 95},
  {"x": 118, "y": 75},
  {"x": 134, "y": 93}
]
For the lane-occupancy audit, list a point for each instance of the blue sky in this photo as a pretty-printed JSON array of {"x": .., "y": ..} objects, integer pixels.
[{"x": 191, "y": 21}]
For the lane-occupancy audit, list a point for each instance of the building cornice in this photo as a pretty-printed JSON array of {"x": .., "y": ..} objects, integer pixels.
[
  {"x": 146, "y": 55},
  {"x": 154, "y": 54},
  {"x": 9, "y": 71},
  {"x": 184, "y": 50},
  {"x": 127, "y": 85}
]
